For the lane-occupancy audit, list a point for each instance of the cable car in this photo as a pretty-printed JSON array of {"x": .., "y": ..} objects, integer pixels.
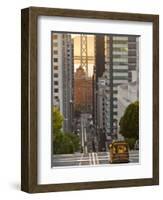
[{"x": 119, "y": 152}]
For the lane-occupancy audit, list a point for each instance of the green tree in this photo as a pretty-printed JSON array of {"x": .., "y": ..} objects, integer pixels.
[
  {"x": 57, "y": 121},
  {"x": 75, "y": 140},
  {"x": 131, "y": 142},
  {"x": 129, "y": 123},
  {"x": 63, "y": 143},
  {"x": 66, "y": 143}
]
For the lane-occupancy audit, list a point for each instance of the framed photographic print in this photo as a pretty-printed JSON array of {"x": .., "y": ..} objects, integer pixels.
[{"x": 90, "y": 99}]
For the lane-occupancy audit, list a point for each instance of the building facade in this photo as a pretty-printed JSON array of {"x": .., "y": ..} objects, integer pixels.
[
  {"x": 63, "y": 69},
  {"x": 121, "y": 60},
  {"x": 121, "y": 54},
  {"x": 127, "y": 94},
  {"x": 82, "y": 91}
]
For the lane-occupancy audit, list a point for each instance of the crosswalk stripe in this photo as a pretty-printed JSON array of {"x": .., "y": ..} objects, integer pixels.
[
  {"x": 97, "y": 159},
  {"x": 94, "y": 158},
  {"x": 81, "y": 159}
]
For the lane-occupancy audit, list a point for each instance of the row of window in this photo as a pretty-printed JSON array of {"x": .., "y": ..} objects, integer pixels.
[
  {"x": 120, "y": 49},
  {"x": 120, "y": 38},
  {"x": 120, "y": 60},
  {"x": 120, "y": 42},
  {"x": 120, "y": 78},
  {"x": 120, "y": 74},
  {"x": 121, "y": 70},
  {"x": 119, "y": 63},
  {"x": 120, "y": 56},
  {"x": 55, "y": 44},
  {"x": 55, "y": 52}
]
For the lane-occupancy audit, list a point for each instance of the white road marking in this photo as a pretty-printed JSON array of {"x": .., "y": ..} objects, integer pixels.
[
  {"x": 97, "y": 159},
  {"x": 85, "y": 139},
  {"x": 85, "y": 135},
  {"x": 93, "y": 159},
  {"x": 81, "y": 159},
  {"x": 90, "y": 160},
  {"x": 82, "y": 133}
]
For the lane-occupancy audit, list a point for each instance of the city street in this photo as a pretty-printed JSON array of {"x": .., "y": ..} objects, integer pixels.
[
  {"x": 95, "y": 99},
  {"x": 89, "y": 145},
  {"x": 91, "y": 159},
  {"x": 87, "y": 136}
]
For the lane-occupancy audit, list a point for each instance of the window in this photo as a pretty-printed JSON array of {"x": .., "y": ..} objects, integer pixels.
[
  {"x": 55, "y": 44},
  {"x": 55, "y": 36},
  {"x": 120, "y": 49},
  {"x": 120, "y": 42},
  {"x": 120, "y": 77},
  {"x": 55, "y": 59},
  {"x": 55, "y": 82},
  {"x": 132, "y": 60},
  {"x": 120, "y": 56},
  {"x": 56, "y": 90},
  {"x": 55, "y": 52},
  {"x": 55, "y": 67},
  {"x": 55, "y": 75}
]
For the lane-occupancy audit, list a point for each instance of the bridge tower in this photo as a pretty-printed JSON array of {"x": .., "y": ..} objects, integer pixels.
[{"x": 84, "y": 52}]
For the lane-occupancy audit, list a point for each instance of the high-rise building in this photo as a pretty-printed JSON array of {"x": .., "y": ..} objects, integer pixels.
[
  {"x": 63, "y": 69},
  {"x": 101, "y": 118},
  {"x": 99, "y": 55},
  {"x": 82, "y": 91},
  {"x": 57, "y": 71},
  {"x": 98, "y": 90},
  {"x": 121, "y": 55},
  {"x": 116, "y": 64},
  {"x": 133, "y": 56},
  {"x": 127, "y": 94}
]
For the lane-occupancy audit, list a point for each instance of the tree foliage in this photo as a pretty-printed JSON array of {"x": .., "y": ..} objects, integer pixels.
[
  {"x": 129, "y": 123},
  {"x": 63, "y": 143},
  {"x": 66, "y": 143},
  {"x": 57, "y": 121},
  {"x": 131, "y": 142},
  {"x": 75, "y": 140}
]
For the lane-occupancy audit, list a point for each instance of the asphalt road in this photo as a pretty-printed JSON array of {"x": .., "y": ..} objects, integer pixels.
[
  {"x": 90, "y": 155},
  {"x": 90, "y": 159},
  {"x": 87, "y": 136}
]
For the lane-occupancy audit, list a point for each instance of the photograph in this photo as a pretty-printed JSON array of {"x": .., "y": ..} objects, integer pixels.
[{"x": 94, "y": 99}]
